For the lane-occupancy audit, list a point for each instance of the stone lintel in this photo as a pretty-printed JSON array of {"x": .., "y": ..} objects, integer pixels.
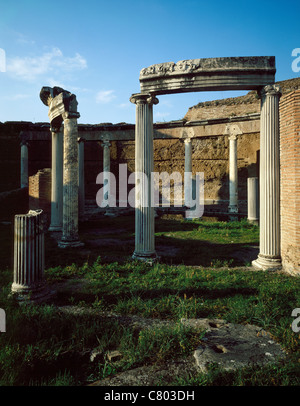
[
  {"x": 247, "y": 123},
  {"x": 208, "y": 74}
]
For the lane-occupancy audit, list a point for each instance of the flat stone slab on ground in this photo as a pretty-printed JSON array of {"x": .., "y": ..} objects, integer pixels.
[
  {"x": 233, "y": 346},
  {"x": 230, "y": 346}
]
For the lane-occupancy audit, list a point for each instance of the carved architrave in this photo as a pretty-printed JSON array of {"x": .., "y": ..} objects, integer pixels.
[{"x": 208, "y": 74}]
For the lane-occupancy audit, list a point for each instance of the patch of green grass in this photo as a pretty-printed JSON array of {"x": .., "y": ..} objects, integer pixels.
[
  {"x": 43, "y": 346},
  {"x": 210, "y": 243}
]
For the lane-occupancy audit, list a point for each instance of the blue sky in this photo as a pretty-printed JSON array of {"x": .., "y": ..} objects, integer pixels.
[{"x": 96, "y": 49}]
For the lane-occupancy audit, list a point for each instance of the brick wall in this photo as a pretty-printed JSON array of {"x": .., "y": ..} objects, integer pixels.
[
  {"x": 39, "y": 190},
  {"x": 290, "y": 180}
]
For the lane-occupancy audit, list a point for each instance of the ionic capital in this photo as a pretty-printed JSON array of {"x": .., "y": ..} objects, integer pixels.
[
  {"x": 105, "y": 143},
  {"x": 270, "y": 90},
  {"x": 24, "y": 143},
  {"x": 143, "y": 98},
  {"x": 232, "y": 130}
]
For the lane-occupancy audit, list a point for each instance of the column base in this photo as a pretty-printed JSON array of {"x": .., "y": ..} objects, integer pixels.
[
  {"x": 37, "y": 293},
  {"x": 253, "y": 221},
  {"x": 150, "y": 258},
  {"x": 267, "y": 263},
  {"x": 70, "y": 244}
]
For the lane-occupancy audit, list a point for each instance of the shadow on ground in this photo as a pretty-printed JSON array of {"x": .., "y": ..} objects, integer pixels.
[{"x": 112, "y": 239}]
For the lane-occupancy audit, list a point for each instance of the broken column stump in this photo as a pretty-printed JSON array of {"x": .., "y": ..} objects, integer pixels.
[{"x": 29, "y": 257}]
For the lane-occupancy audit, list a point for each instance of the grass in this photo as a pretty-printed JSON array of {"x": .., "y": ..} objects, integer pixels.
[{"x": 45, "y": 346}]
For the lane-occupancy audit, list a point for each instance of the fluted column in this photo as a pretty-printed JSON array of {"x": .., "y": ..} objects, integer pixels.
[
  {"x": 29, "y": 256},
  {"x": 188, "y": 192},
  {"x": 269, "y": 255},
  {"x": 56, "y": 180},
  {"x": 24, "y": 164},
  {"x": 70, "y": 184},
  {"x": 144, "y": 166},
  {"x": 81, "y": 191}
]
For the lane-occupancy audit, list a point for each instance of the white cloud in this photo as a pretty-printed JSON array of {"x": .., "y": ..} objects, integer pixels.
[
  {"x": 161, "y": 114},
  {"x": 125, "y": 105},
  {"x": 19, "y": 96},
  {"x": 105, "y": 96},
  {"x": 54, "y": 62},
  {"x": 165, "y": 102},
  {"x": 23, "y": 39}
]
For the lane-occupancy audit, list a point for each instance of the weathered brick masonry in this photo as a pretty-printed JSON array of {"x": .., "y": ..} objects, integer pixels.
[
  {"x": 290, "y": 180},
  {"x": 40, "y": 191}
]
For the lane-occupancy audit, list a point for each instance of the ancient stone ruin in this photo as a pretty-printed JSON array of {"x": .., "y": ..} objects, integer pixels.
[
  {"x": 29, "y": 258},
  {"x": 63, "y": 109},
  {"x": 206, "y": 75},
  {"x": 238, "y": 153}
]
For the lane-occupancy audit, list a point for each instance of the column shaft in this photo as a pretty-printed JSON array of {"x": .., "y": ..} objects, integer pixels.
[
  {"x": 70, "y": 185},
  {"x": 106, "y": 172},
  {"x": 252, "y": 200},
  {"x": 57, "y": 181},
  {"x": 233, "y": 175},
  {"x": 269, "y": 256},
  {"x": 188, "y": 196},
  {"x": 24, "y": 164},
  {"x": 144, "y": 166}
]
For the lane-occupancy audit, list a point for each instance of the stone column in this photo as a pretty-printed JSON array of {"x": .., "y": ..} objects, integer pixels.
[
  {"x": 252, "y": 200},
  {"x": 63, "y": 108},
  {"x": 106, "y": 171},
  {"x": 269, "y": 255},
  {"x": 233, "y": 175},
  {"x": 29, "y": 257},
  {"x": 188, "y": 196},
  {"x": 24, "y": 163},
  {"x": 81, "y": 191},
  {"x": 70, "y": 184},
  {"x": 232, "y": 130},
  {"x": 56, "y": 180},
  {"x": 144, "y": 166}
]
